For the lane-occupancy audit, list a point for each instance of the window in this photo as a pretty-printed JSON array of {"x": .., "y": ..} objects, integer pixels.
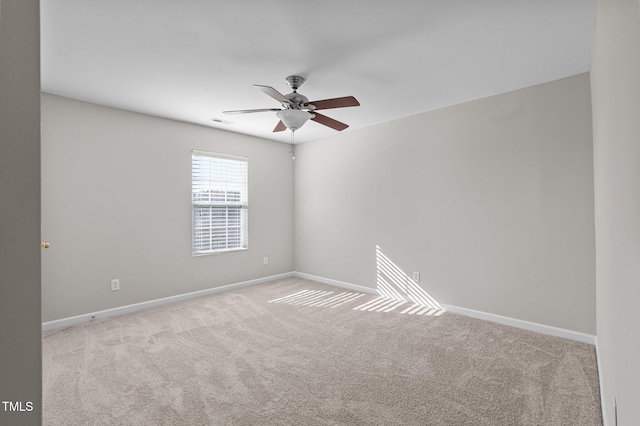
[{"x": 219, "y": 202}]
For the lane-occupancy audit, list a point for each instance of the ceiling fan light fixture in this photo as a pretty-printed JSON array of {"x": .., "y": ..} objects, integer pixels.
[{"x": 293, "y": 118}]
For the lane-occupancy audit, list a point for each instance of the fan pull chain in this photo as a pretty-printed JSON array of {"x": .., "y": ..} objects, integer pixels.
[{"x": 293, "y": 155}]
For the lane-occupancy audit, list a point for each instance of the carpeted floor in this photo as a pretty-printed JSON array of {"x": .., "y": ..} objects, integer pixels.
[{"x": 296, "y": 352}]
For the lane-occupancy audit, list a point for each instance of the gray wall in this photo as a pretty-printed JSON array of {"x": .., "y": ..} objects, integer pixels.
[
  {"x": 615, "y": 82},
  {"x": 491, "y": 201},
  {"x": 20, "y": 365},
  {"x": 116, "y": 203}
]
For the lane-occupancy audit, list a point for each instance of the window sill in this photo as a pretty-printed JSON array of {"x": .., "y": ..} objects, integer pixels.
[{"x": 218, "y": 252}]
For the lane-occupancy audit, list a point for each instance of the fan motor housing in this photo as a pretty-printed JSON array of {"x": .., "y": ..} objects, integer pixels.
[{"x": 297, "y": 99}]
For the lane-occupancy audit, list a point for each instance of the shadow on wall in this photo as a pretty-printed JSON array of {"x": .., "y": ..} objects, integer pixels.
[{"x": 396, "y": 288}]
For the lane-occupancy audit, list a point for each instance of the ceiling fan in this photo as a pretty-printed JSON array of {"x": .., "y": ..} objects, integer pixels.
[{"x": 297, "y": 109}]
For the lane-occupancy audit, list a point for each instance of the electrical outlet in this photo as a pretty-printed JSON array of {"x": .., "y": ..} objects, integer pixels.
[
  {"x": 416, "y": 276},
  {"x": 115, "y": 285},
  {"x": 266, "y": 261}
]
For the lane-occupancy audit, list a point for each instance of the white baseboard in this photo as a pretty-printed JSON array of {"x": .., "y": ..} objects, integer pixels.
[
  {"x": 355, "y": 287},
  {"x": 513, "y": 322},
  {"x": 527, "y": 325},
  {"x": 66, "y": 322},
  {"x": 605, "y": 418}
]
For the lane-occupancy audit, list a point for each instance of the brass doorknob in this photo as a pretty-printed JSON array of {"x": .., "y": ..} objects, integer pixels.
[{"x": 44, "y": 244}]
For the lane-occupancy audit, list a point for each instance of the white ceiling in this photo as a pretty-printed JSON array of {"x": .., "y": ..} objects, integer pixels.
[{"x": 189, "y": 60}]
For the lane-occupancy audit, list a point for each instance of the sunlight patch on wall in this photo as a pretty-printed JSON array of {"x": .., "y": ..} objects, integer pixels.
[{"x": 392, "y": 283}]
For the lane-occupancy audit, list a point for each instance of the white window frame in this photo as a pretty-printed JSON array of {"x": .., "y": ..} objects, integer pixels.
[{"x": 219, "y": 203}]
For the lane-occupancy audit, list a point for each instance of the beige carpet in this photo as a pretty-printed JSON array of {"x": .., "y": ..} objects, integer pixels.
[{"x": 296, "y": 352}]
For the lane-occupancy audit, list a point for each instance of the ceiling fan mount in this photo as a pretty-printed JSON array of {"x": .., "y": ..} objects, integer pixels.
[
  {"x": 295, "y": 81},
  {"x": 297, "y": 109}
]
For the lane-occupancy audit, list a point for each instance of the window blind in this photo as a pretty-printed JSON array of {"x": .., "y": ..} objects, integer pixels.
[{"x": 219, "y": 196}]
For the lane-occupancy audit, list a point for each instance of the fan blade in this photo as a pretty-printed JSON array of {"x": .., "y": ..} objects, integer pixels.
[
  {"x": 247, "y": 111},
  {"x": 273, "y": 93},
  {"x": 329, "y": 122},
  {"x": 347, "y": 101},
  {"x": 280, "y": 127}
]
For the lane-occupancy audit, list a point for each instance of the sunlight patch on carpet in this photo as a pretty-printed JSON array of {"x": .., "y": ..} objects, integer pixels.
[
  {"x": 325, "y": 299},
  {"x": 388, "y": 304}
]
